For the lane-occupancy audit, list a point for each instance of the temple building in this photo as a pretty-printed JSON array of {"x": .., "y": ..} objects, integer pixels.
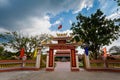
[
  {"x": 63, "y": 50},
  {"x": 62, "y": 55}
]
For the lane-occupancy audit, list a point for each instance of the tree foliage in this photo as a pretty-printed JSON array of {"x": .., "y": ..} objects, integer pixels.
[
  {"x": 16, "y": 41},
  {"x": 95, "y": 30},
  {"x": 4, "y": 54},
  {"x": 1, "y": 49}
]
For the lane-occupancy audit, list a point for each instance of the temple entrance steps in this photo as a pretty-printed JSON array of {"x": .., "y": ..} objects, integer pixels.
[{"x": 62, "y": 66}]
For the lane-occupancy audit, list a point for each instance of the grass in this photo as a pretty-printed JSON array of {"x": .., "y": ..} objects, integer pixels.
[
  {"x": 81, "y": 64},
  {"x": 110, "y": 65}
]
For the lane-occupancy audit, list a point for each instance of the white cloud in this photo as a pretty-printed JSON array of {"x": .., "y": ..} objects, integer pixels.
[
  {"x": 70, "y": 21},
  {"x": 4, "y": 3},
  {"x": 108, "y": 6},
  {"x": 114, "y": 43},
  {"x": 114, "y": 15},
  {"x": 32, "y": 19},
  {"x": 83, "y": 4},
  {"x": 37, "y": 25},
  {"x": 19, "y": 16},
  {"x": 40, "y": 25},
  {"x": 57, "y": 22},
  {"x": 3, "y": 30},
  {"x": 103, "y": 4}
]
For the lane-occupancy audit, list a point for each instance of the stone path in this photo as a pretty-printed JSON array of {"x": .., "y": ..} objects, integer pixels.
[
  {"x": 62, "y": 66},
  {"x": 56, "y": 75},
  {"x": 62, "y": 72}
]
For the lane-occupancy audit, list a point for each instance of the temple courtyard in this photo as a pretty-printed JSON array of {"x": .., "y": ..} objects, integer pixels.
[{"x": 60, "y": 73}]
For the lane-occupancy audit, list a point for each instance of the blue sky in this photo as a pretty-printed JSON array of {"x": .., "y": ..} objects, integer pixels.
[
  {"x": 34, "y": 17},
  {"x": 44, "y": 16},
  {"x": 109, "y": 7}
]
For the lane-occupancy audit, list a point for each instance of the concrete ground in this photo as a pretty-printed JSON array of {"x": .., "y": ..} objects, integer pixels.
[
  {"x": 59, "y": 74},
  {"x": 62, "y": 66},
  {"x": 43, "y": 75}
]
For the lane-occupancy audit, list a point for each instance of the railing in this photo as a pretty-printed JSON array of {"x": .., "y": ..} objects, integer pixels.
[
  {"x": 96, "y": 63},
  {"x": 16, "y": 64},
  {"x": 105, "y": 64},
  {"x": 113, "y": 63}
]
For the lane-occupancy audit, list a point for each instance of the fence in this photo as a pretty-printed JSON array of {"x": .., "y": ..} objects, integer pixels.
[
  {"x": 17, "y": 64},
  {"x": 105, "y": 64}
]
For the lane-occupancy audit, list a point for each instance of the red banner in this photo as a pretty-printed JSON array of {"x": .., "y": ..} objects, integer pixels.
[
  {"x": 60, "y": 26},
  {"x": 21, "y": 52}
]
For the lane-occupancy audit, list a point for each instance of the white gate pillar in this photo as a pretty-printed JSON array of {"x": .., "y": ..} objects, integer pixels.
[
  {"x": 77, "y": 61},
  {"x": 87, "y": 61},
  {"x": 38, "y": 58},
  {"x": 47, "y": 60}
]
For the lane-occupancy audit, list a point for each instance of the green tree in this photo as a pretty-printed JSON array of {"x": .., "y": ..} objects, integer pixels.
[
  {"x": 17, "y": 41},
  {"x": 1, "y": 51},
  {"x": 4, "y": 54},
  {"x": 95, "y": 30}
]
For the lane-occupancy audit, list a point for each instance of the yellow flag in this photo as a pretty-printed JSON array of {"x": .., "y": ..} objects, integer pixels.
[{"x": 35, "y": 53}]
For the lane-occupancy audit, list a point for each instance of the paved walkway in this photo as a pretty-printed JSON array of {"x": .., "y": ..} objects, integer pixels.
[
  {"x": 62, "y": 66},
  {"x": 62, "y": 72},
  {"x": 43, "y": 75}
]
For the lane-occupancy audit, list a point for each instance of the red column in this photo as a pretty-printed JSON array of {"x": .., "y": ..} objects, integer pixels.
[
  {"x": 73, "y": 58},
  {"x": 73, "y": 61},
  {"x": 51, "y": 58}
]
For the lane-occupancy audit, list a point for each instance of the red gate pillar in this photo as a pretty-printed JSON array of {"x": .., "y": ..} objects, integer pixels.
[
  {"x": 73, "y": 61},
  {"x": 50, "y": 63}
]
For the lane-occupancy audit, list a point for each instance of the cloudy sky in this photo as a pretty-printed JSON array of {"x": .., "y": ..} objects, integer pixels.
[{"x": 44, "y": 16}]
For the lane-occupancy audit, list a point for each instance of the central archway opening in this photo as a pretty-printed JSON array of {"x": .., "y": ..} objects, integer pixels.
[
  {"x": 63, "y": 43},
  {"x": 62, "y": 60}
]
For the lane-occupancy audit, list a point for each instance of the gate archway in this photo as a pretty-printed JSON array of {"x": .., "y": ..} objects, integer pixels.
[{"x": 62, "y": 45}]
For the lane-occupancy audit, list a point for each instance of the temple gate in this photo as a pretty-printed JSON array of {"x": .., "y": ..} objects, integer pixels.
[{"x": 62, "y": 44}]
